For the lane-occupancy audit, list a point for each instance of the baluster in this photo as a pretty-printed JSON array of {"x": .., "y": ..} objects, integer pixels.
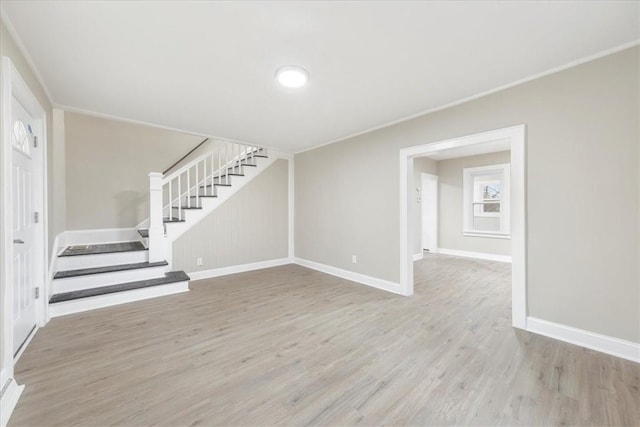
[
  {"x": 219, "y": 166},
  {"x": 213, "y": 172},
  {"x": 197, "y": 186},
  {"x": 204, "y": 178},
  {"x": 179, "y": 198},
  {"x": 226, "y": 162},
  {"x": 188, "y": 188},
  {"x": 170, "y": 199}
]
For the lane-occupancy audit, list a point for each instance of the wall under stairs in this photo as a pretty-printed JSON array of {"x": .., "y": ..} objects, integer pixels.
[{"x": 250, "y": 227}]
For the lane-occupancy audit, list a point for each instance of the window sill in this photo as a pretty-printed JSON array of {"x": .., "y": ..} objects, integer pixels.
[{"x": 488, "y": 235}]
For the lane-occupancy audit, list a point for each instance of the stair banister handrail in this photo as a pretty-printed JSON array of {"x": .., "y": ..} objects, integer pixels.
[
  {"x": 185, "y": 156},
  {"x": 223, "y": 158},
  {"x": 200, "y": 158}
]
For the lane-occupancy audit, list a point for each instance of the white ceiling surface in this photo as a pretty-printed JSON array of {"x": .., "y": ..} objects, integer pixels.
[{"x": 208, "y": 67}]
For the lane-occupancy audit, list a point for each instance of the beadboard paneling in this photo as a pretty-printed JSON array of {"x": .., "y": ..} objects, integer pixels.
[{"x": 250, "y": 227}]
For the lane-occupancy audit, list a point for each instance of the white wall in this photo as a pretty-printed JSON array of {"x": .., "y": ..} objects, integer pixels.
[
  {"x": 108, "y": 164},
  {"x": 451, "y": 209},
  {"x": 582, "y": 142},
  {"x": 251, "y": 226}
]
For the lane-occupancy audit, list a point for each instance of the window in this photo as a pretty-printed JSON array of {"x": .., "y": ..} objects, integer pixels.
[
  {"x": 20, "y": 137},
  {"x": 486, "y": 201}
]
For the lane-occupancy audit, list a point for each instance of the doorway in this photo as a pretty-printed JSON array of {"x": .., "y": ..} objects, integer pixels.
[
  {"x": 24, "y": 221},
  {"x": 515, "y": 137},
  {"x": 429, "y": 208}
]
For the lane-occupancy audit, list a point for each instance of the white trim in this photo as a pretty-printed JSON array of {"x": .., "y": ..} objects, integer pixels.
[
  {"x": 468, "y": 193},
  {"x": 418, "y": 257},
  {"x": 26, "y": 343},
  {"x": 477, "y": 255},
  {"x": 516, "y": 136},
  {"x": 291, "y": 207},
  {"x": 9, "y": 399},
  {"x": 53, "y": 265},
  {"x": 14, "y": 86},
  {"x": 242, "y": 268},
  {"x": 603, "y": 343},
  {"x": 481, "y": 94},
  {"x": 374, "y": 282},
  {"x": 117, "y": 298}
]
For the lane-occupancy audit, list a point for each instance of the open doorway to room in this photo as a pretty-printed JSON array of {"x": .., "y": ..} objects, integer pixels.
[{"x": 465, "y": 197}]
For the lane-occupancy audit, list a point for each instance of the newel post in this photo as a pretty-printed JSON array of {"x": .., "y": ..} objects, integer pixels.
[{"x": 156, "y": 226}]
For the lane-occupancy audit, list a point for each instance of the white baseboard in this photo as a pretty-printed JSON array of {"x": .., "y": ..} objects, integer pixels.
[
  {"x": 53, "y": 263},
  {"x": 478, "y": 255},
  {"x": 614, "y": 346},
  {"x": 10, "y": 394},
  {"x": 385, "y": 285},
  {"x": 418, "y": 257},
  {"x": 242, "y": 268},
  {"x": 26, "y": 343}
]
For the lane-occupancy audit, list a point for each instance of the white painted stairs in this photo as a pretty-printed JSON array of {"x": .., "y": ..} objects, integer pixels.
[{"x": 103, "y": 274}]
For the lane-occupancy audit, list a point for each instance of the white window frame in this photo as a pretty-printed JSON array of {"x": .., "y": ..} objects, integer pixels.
[{"x": 468, "y": 189}]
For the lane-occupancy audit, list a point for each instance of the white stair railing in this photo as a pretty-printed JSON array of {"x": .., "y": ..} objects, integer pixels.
[{"x": 183, "y": 189}]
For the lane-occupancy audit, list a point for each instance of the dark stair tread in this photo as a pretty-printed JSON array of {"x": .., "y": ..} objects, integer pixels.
[
  {"x": 106, "y": 248},
  {"x": 216, "y": 185},
  {"x": 107, "y": 269},
  {"x": 170, "y": 277},
  {"x": 169, "y": 220},
  {"x": 249, "y": 164},
  {"x": 144, "y": 232},
  {"x": 201, "y": 196},
  {"x": 186, "y": 207}
]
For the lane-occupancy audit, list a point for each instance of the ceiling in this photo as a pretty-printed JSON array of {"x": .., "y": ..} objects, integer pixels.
[{"x": 208, "y": 67}]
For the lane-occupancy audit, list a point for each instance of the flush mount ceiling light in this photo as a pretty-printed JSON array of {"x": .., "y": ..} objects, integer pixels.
[{"x": 292, "y": 76}]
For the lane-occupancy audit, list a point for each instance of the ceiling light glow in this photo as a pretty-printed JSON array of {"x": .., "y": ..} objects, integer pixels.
[{"x": 292, "y": 76}]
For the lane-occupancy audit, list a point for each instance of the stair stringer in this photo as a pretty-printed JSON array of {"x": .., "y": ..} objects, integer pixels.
[{"x": 193, "y": 217}]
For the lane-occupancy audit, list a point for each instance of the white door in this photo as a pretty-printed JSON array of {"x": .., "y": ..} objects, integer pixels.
[
  {"x": 23, "y": 220},
  {"x": 429, "y": 205}
]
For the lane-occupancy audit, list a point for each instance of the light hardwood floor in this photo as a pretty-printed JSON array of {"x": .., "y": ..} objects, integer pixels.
[{"x": 292, "y": 346}]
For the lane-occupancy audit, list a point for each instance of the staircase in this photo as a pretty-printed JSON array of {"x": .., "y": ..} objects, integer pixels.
[{"x": 103, "y": 274}]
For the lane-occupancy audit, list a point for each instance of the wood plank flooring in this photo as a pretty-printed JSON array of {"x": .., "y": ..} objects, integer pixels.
[{"x": 292, "y": 346}]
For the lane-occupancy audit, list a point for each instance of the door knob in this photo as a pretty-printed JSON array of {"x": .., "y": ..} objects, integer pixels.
[{"x": 18, "y": 241}]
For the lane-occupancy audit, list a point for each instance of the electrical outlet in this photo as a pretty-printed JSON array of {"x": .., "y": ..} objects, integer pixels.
[
  {"x": 199, "y": 262},
  {"x": 354, "y": 259}
]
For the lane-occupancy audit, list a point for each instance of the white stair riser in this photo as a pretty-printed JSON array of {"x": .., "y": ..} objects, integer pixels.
[
  {"x": 104, "y": 279},
  {"x": 76, "y": 262},
  {"x": 101, "y": 301}
]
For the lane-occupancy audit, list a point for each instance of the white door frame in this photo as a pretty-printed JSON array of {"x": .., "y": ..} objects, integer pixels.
[
  {"x": 436, "y": 237},
  {"x": 517, "y": 136},
  {"x": 13, "y": 86}
]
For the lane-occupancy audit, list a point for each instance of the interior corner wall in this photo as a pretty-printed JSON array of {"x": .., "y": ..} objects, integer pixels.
[
  {"x": 108, "y": 164},
  {"x": 251, "y": 226},
  {"x": 450, "y": 209},
  {"x": 420, "y": 165},
  {"x": 583, "y": 136}
]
